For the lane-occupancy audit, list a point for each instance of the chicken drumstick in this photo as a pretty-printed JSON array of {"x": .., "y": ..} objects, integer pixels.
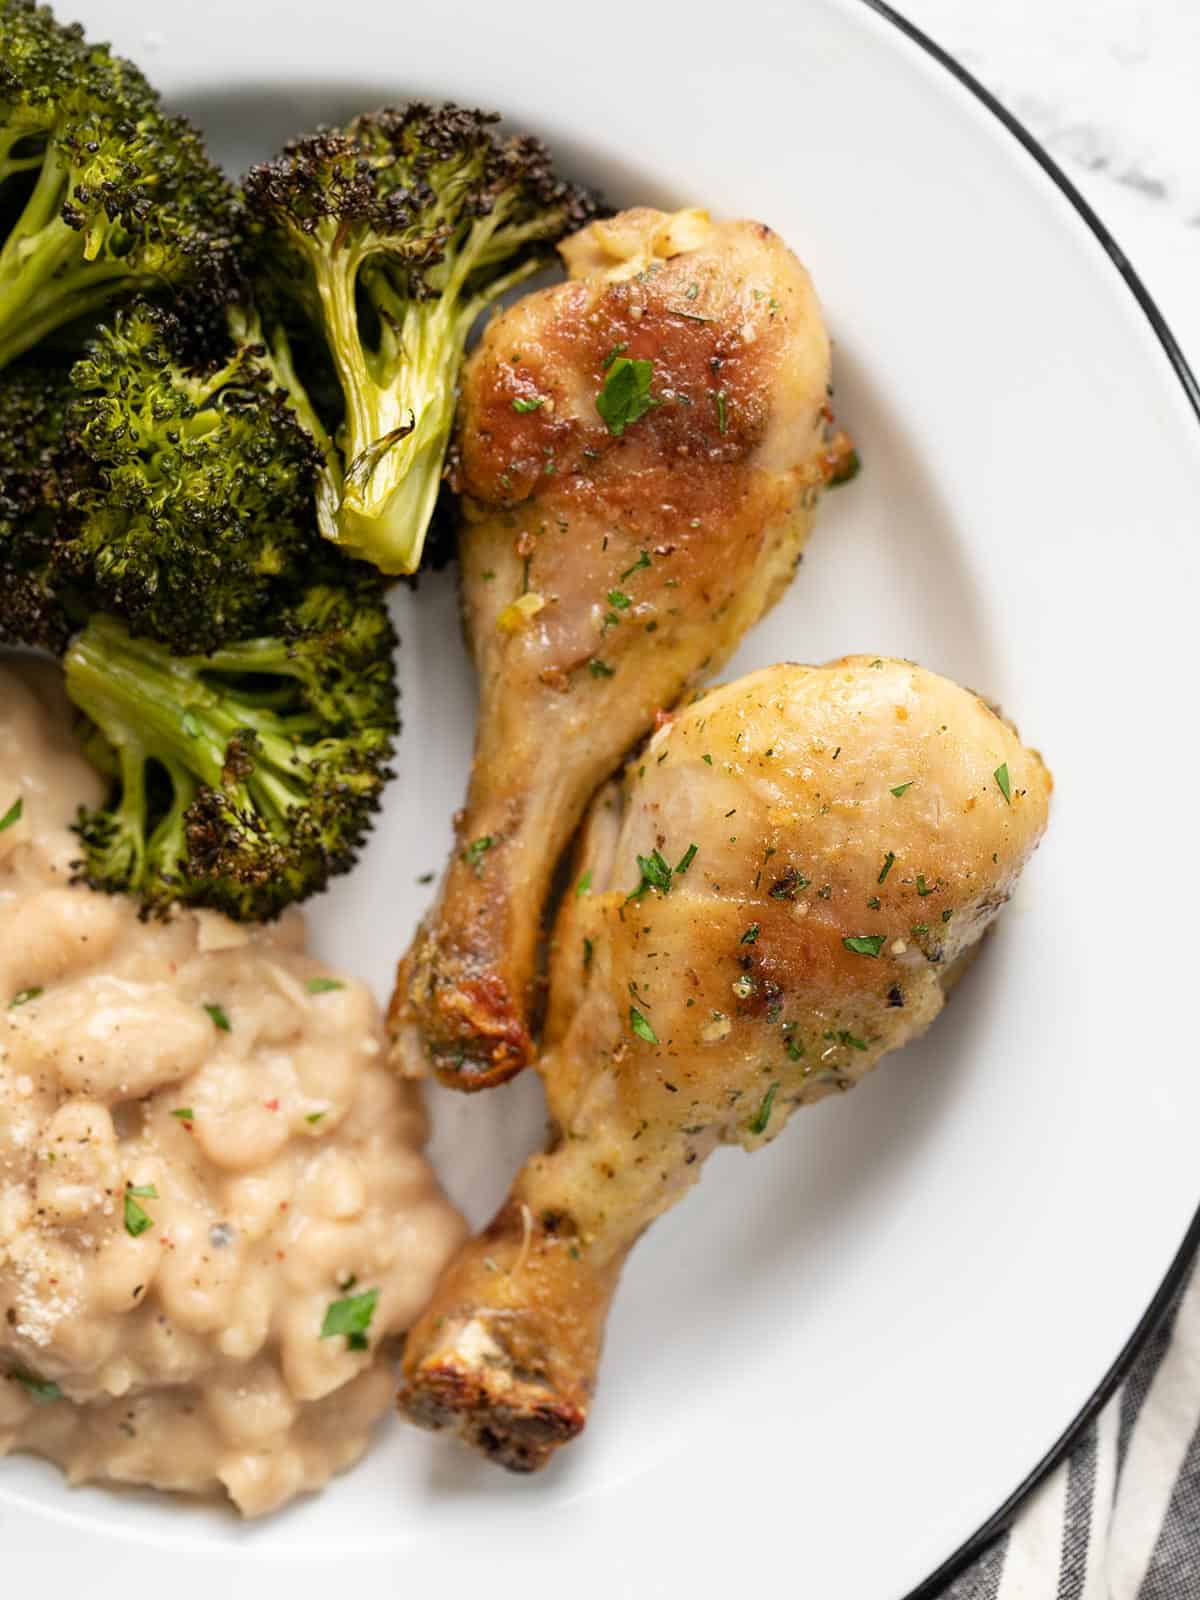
[
  {"x": 640, "y": 451},
  {"x": 780, "y": 891}
]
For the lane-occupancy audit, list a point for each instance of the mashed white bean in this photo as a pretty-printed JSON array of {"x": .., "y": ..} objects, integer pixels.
[{"x": 201, "y": 1151}]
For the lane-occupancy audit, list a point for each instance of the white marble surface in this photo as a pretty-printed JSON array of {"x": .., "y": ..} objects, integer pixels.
[{"x": 1112, "y": 89}]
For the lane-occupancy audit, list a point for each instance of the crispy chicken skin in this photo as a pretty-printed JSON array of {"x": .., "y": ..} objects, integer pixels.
[
  {"x": 603, "y": 572},
  {"x": 838, "y": 840}
]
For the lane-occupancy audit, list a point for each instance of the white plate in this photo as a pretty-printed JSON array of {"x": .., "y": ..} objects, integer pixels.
[{"x": 834, "y": 1363}]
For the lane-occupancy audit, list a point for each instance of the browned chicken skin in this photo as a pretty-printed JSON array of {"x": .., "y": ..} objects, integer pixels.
[
  {"x": 781, "y": 891},
  {"x": 604, "y": 572}
]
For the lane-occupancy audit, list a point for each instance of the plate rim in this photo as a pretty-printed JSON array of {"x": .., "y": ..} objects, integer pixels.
[{"x": 954, "y": 1564}]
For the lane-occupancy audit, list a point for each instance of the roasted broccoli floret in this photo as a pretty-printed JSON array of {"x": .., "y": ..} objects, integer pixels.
[
  {"x": 100, "y": 190},
  {"x": 392, "y": 235},
  {"x": 248, "y": 777},
  {"x": 35, "y": 607},
  {"x": 193, "y": 477}
]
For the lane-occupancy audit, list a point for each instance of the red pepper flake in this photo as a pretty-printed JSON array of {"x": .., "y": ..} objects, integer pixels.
[
  {"x": 279, "y": 1255},
  {"x": 271, "y": 1105}
]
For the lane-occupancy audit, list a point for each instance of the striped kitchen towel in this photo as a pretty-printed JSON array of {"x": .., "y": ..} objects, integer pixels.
[{"x": 1119, "y": 1520}]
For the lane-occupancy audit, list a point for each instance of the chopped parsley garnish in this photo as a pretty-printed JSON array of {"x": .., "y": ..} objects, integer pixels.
[
  {"x": 919, "y": 928},
  {"x": 656, "y": 874},
  {"x": 522, "y": 404},
  {"x": 763, "y": 1115},
  {"x": 185, "y": 1114},
  {"x": 722, "y": 416},
  {"x": 924, "y": 888},
  {"x": 218, "y": 1017},
  {"x": 1002, "y": 782},
  {"x": 865, "y": 944},
  {"x": 947, "y": 914},
  {"x": 686, "y": 859},
  {"x": 619, "y": 600},
  {"x": 626, "y": 393},
  {"x": 889, "y": 862},
  {"x": 793, "y": 1049},
  {"x": 588, "y": 950},
  {"x": 600, "y": 669},
  {"x": 903, "y": 788},
  {"x": 851, "y": 1042},
  {"x": 351, "y": 1317},
  {"x": 315, "y": 1116},
  {"x": 874, "y": 902},
  {"x": 642, "y": 561},
  {"x": 612, "y": 355},
  {"x": 24, "y": 996},
  {"x": 585, "y": 883},
  {"x": 324, "y": 985},
  {"x": 751, "y": 934},
  {"x": 40, "y": 1390},
  {"x": 474, "y": 853},
  {"x": 641, "y": 1027},
  {"x": 708, "y": 759},
  {"x": 137, "y": 1221},
  {"x": 13, "y": 814}
]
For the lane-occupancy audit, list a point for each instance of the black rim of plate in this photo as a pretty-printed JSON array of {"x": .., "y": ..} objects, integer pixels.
[{"x": 996, "y": 1523}]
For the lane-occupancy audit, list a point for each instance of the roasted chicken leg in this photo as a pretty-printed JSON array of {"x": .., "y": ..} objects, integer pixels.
[
  {"x": 640, "y": 450},
  {"x": 781, "y": 890}
]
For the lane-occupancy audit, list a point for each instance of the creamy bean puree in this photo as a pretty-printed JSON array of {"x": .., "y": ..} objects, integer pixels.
[{"x": 213, "y": 1204}]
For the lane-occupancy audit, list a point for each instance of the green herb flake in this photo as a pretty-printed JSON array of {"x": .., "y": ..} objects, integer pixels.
[
  {"x": 686, "y": 859},
  {"x": 138, "y": 1220},
  {"x": 24, "y": 996},
  {"x": 874, "y": 902},
  {"x": 865, "y": 944},
  {"x": 523, "y": 405},
  {"x": 656, "y": 874},
  {"x": 763, "y": 1115},
  {"x": 719, "y": 400},
  {"x": 903, "y": 788},
  {"x": 918, "y": 928},
  {"x": 324, "y": 985},
  {"x": 851, "y": 1042},
  {"x": 1002, "y": 782},
  {"x": 351, "y": 1317},
  {"x": 184, "y": 1114},
  {"x": 474, "y": 853},
  {"x": 924, "y": 888},
  {"x": 588, "y": 951},
  {"x": 626, "y": 395},
  {"x": 707, "y": 759},
  {"x": 600, "y": 669},
  {"x": 619, "y": 600},
  {"x": 315, "y": 1116},
  {"x": 947, "y": 914},
  {"x": 693, "y": 289},
  {"x": 642, "y": 562},
  {"x": 889, "y": 861},
  {"x": 40, "y": 1390},
  {"x": 751, "y": 934},
  {"x": 13, "y": 814},
  {"x": 793, "y": 1048},
  {"x": 641, "y": 1027},
  {"x": 617, "y": 349},
  {"x": 219, "y": 1018}
]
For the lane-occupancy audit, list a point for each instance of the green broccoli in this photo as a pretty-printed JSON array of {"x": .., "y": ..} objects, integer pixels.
[
  {"x": 193, "y": 476},
  {"x": 392, "y": 235},
  {"x": 248, "y": 777},
  {"x": 35, "y": 607},
  {"x": 100, "y": 191}
]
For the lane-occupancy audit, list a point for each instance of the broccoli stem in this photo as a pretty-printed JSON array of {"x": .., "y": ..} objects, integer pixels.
[
  {"x": 35, "y": 303},
  {"x": 154, "y": 706},
  {"x": 397, "y": 428}
]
